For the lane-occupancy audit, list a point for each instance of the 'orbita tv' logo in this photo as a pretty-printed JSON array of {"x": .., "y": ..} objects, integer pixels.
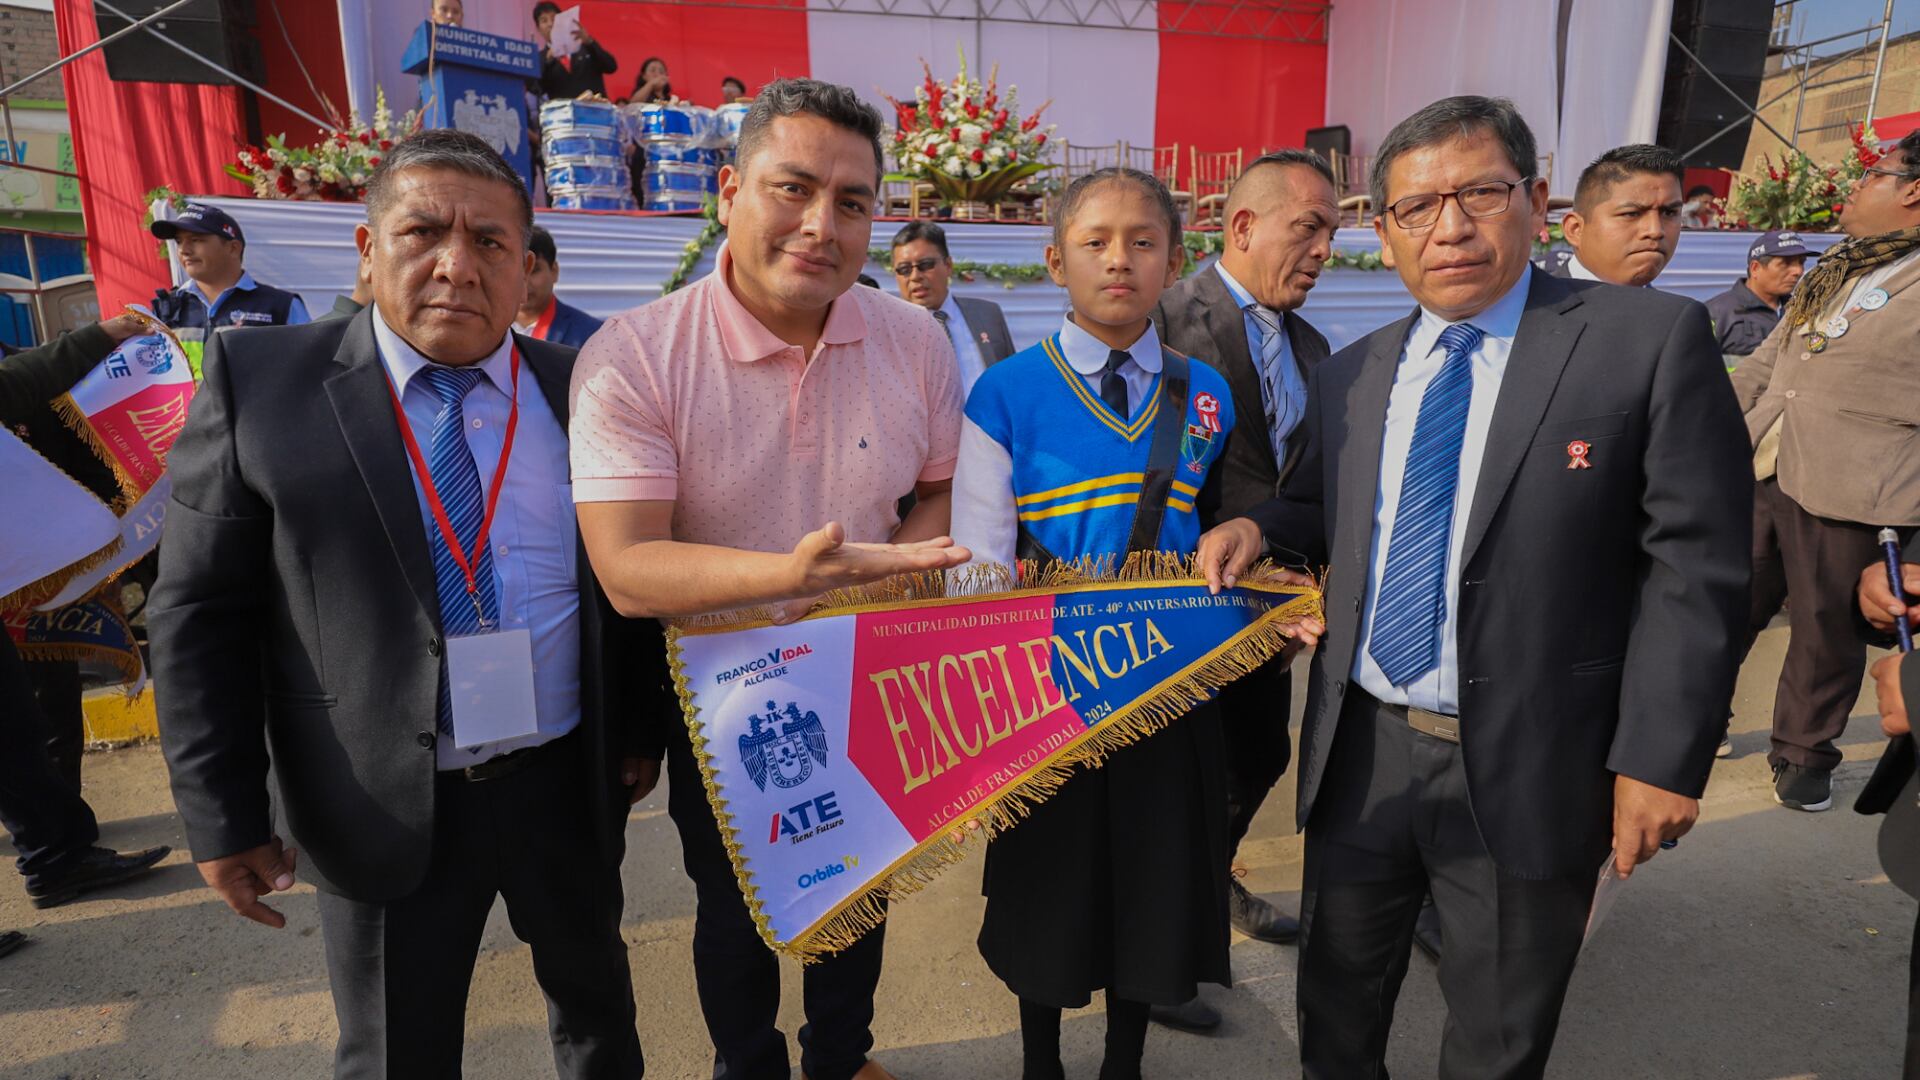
[{"x": 832, "y": 870}]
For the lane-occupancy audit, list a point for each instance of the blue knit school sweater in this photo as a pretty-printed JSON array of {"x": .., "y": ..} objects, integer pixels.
[{"x": 1078, "y": 467}]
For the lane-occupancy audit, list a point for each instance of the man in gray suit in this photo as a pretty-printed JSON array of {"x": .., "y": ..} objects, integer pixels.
[
  {"x": 358, "y": 651},
  {"x": 1240, "y": 315},
  {"x": 1532, "y": 493},
  {"x": 924, "y": 271}
]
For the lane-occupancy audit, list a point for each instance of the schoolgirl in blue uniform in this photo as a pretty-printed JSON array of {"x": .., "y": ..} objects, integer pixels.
[{"x": 1095, "y": 442}]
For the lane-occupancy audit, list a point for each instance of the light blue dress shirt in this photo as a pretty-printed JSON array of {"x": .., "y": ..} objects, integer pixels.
[
  {"x": 1292, "y": 387},
  {"x": 1421, "y": 359},
  {"x": 533, "y": 534},
  {"x": 296, "y": 314}
]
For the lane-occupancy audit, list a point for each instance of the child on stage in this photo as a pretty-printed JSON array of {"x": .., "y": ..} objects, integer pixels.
[{"x": 1095, "y": 443}]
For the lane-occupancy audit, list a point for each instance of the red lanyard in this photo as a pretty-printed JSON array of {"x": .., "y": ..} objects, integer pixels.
[
  {"x": 544, "y": 323},
  {"x": 460, "y": 555}
]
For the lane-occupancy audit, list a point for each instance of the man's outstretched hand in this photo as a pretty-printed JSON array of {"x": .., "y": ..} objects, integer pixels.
[
  {"x": 824, "y": 561},
  {"x": 241, "y": 880}
]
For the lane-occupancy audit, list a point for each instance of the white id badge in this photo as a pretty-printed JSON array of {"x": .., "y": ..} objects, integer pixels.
[{"x": 490, "y": 679}]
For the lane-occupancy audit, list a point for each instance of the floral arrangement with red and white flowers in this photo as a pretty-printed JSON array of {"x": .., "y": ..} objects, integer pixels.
[
  {"x": 1799, "y": 194},
  {"x": 335, "y": 169},
  {"x": 968, "y": 140}
]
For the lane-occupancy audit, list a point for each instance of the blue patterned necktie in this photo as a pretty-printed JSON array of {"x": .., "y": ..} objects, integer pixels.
[
  {"x": 457, "y": 479},
  {"x": 1281, "y": 408},
  {"x": 1412, "y": 604}
]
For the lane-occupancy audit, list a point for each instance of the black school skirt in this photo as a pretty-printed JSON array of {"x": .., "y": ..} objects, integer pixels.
[{"x": 1118, "y": 882}]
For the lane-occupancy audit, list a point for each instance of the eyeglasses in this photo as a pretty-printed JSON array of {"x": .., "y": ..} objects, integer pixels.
[
  {"x": 1897, "y": 174},
  {"x": 1416, "y": 213},
  {"x": 925, "y": 266}
]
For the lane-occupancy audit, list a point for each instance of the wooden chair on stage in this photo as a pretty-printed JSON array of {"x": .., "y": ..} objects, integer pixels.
[
  {"x": 1163, "y": 163},
  {"x": 896, "y": 196},
  {"x": 1349, "y": 173},
  {"x": 1209, "y": 180},
  {"x": 1077, "y": 161}
]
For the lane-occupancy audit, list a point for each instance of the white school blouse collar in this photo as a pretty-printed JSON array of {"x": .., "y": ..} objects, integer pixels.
[
  {"x": 1087, "y": 354},
  {"x": 403, "y": 361}
]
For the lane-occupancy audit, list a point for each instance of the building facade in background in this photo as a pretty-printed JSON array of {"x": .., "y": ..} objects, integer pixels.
[
  {"x": 1835, "y": 100},
  {"x": 37, "y": 203}
]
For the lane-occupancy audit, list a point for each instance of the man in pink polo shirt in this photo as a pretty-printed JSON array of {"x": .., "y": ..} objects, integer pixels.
[{"x": 745, "y": 441}]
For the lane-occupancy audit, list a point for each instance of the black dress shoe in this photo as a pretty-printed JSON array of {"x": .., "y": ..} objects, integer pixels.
[
  {"x": 10, "y": 941},
  {"x": 1258, "y": 919},
  {"x": 1195, "y": 1016},
  {"x": 1426, "y": 930},
  {"x": 94, "y": 868}
]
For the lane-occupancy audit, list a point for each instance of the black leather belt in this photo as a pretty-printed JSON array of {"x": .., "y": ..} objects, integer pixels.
[
  {"x": 1438, "y": 725},
  {"x": 505, "y": 765}
]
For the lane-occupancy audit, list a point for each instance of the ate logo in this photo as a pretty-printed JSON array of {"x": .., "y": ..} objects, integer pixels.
[{"x": 807, "y": 820}]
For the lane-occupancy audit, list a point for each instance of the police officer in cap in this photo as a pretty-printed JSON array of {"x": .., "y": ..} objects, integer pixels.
[
  {"x": 219, "y": 292},
  {"x": 1744, "y": 315}
]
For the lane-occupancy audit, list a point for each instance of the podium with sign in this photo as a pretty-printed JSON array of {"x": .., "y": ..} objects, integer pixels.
[{"x": 476, "y": 82}]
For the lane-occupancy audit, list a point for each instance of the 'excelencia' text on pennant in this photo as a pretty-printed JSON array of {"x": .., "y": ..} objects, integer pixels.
[{"x": 842, "y": 752}]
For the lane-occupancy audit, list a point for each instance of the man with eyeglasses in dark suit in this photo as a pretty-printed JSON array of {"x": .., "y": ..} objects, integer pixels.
[
  {"x": 924, "y": 271},
  {"x": 1532, "y": 494}
]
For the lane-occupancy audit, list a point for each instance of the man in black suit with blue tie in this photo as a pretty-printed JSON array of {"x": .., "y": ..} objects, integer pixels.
[
  {"x": 1535, "y": 498},
  {"x": 377, "y": 639}
]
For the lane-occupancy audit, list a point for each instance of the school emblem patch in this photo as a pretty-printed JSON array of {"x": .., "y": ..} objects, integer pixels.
[{"x": 786, "y": 755}]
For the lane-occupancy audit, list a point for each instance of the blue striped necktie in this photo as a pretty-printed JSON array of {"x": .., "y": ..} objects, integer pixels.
[
  {"x": 1412, "y": 603},
  {"x": 1273, "y": 380},
  {"x": 457, "y": 479}
]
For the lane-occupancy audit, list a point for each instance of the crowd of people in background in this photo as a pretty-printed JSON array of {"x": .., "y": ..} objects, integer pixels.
[{"x": 322, "y": 573}]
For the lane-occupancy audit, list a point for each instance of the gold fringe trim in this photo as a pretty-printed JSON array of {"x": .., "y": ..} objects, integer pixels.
[
  {"x": 127, "y": 663},
  {"x": 971, "y": 583},
  {"x": 69, "y": 412},
  {"x": 127, "y": 660},
  {"x": 34, "y": 594},
  {"x": 1193, "y": 685}
]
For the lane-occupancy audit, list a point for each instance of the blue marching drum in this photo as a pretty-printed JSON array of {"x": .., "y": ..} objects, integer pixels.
[{"x": 599, "y": 119}]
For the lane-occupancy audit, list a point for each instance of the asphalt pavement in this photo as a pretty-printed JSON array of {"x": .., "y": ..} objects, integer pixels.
[{"x": 1767, "y": 946}]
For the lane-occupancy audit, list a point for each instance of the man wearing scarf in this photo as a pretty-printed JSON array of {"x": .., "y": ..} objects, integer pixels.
[{"x": 1832, "y": 400}]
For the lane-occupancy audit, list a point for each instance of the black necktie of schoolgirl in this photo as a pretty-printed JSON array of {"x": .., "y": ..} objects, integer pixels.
[{"x": 1113, "y": 388}]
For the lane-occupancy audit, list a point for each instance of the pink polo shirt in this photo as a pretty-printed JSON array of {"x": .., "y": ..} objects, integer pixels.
[{"x": 690, "y": 398}]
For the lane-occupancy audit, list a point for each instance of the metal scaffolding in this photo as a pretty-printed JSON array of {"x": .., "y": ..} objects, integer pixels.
[{"x": 1800, "y": 55}]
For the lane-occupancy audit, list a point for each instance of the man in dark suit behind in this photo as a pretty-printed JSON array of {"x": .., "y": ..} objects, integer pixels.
[
  {"x": 1890, "y": 790},
  {"x": 1534, "y": 497},
  {"x": 1240, "y": 316},
  {"x": 923, "y": 269},
  {"x": 314, "y": 615},
  {"x": 543, "y": 314}
]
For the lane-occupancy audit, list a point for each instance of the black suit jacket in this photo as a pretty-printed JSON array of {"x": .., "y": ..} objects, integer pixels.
[
  {"x": 296, "y": 622},
  {"x": 585, "y": 72},
  {"x": 1200, "y": 318},
  {"x": 989, "y": 327},
  {"x": 1600, "y": 609},
  {"x": 571, "y": 326}
]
